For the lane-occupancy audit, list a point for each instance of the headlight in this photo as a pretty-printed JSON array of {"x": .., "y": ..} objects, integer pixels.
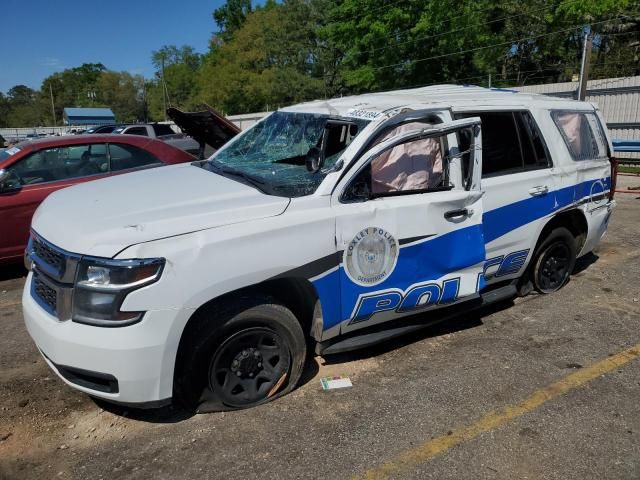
[{"x": 102, "y": 285}]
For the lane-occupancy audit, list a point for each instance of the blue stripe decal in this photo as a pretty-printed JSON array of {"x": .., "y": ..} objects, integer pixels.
[
  {"x": 424, "y": 260},
  {"x": 502, "y": 220},
  {"x": 465, "y": 247}
]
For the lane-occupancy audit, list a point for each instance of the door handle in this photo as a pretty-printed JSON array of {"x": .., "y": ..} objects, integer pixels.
[
  {"x": 456, "y": 214},
  {"x": 539, "y": 190}
]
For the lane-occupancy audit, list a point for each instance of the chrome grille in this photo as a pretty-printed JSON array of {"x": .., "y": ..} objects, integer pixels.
[
  {"x": 47, "y": 295},
  {"x": 48, "y": 255},
  {"x": 54, "y": 272}
]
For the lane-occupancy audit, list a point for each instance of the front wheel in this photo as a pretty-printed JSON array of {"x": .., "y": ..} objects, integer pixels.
[
  {"x": 554, "y": 261},
  {"x": 245, "y": 355}
]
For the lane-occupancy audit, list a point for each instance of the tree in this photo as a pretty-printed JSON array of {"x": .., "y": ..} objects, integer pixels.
[
  {"x": 271, "y": 60},
  {"x": 23, "y": 108},
  {"x": 4, "y": 111},
  {"x": 123, "y": 93},
  {"x": 231, "y": 16},
  {"x": 179, "y": 65}
]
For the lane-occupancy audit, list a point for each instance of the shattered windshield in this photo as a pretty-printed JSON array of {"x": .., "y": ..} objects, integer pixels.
[{"x": 287, "y": 154}]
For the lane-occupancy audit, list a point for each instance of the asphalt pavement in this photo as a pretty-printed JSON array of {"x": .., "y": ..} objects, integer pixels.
[{"x": 545, "y": 387}]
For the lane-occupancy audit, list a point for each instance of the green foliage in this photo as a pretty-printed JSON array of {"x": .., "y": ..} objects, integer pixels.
[
  {"x": 287, "y": 51},
  {"x": 178, "y": 66},
  {"x": 231, "y": 16},
  {"x": 269, "y": 61}
]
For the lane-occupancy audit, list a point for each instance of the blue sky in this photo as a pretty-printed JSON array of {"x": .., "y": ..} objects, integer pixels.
[{"x": 40, "y": 37}]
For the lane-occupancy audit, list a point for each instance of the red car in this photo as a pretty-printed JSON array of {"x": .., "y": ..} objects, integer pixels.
[{"x": 32, "y": 170}]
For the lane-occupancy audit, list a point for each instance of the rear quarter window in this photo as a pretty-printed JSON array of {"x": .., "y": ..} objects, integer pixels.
[
  {"x": 582, "y": 134},
  {"x": 163, "y": 129}
]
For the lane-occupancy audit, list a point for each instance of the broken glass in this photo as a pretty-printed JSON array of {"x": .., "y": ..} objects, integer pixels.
[{"x": 273, "y": 153}]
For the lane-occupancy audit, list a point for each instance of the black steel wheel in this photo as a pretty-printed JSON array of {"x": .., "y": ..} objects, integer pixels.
[
  {"x": 239, "y": 354},
  {"x": 249, "y": 367},
  {"x": 554, "y": 261}
]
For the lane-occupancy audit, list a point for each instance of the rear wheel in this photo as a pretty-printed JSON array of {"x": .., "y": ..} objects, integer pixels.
[
  {"x": 554, "y": 261},
  {"x": 243, "y": 356}
]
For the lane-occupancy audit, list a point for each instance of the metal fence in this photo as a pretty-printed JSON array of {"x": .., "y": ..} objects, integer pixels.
[
  {"x": 617, "y": 98},
  {"x": 14, "y": 135}
]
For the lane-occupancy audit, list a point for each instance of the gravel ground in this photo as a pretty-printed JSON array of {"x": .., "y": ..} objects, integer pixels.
[{"x": 405, "y": 393}]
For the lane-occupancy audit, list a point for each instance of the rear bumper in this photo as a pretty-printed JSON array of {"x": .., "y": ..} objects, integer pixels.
[
  {"x": 597, "y": 222},
  {"x": 131, "y": 365}
]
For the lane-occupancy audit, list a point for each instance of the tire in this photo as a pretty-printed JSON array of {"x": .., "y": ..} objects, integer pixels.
[
  {"x": 553, "y": 261},
  {"x": 241, "y": 356}
]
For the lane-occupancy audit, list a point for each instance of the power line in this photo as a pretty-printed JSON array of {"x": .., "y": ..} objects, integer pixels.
[
  {"x": 617, "y": 34},
  {"x": 501, "y": 44},
  {"x": 517, "y": 75},
  {"x": 427, "y": 37}
]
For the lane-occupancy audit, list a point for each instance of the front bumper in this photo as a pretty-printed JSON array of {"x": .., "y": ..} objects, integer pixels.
[{"x": 139, "y": 358}]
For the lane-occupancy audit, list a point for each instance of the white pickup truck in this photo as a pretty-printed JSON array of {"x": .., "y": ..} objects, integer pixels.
[
  {"x": 330, "y": 225},
  {"x": 162, "y": 132}
]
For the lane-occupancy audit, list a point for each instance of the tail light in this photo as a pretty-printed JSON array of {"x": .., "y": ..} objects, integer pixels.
[{"x": 614, "y": 177}]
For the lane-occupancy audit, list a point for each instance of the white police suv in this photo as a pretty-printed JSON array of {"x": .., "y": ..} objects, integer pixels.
[{"x": 327, "y": 225}]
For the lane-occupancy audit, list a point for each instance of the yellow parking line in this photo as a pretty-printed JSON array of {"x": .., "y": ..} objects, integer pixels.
[{"x": 409, "y": 459}]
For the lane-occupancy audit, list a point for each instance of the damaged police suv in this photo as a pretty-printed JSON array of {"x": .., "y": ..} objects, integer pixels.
[{"x": 330, "y": 225}]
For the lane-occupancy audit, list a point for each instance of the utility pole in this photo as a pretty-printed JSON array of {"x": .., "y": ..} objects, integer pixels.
[
  {"x": 584, "y": 67},
  {"x": 53, "y": 108},
  {"x": 144, "y": 100},
  {"x": 489, "y": 80},
  {"x": 164, "y": 89}
]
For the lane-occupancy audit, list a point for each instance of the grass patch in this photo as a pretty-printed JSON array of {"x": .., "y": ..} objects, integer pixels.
[{"x": 629, "y": 169}]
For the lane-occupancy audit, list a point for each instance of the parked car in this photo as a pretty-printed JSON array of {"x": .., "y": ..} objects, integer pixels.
[
  {"x": 30, "y": 171},
  {"x": 326, "y": 225},
  {"x": 103, "y": 129},
  {"x": 163, "y": 132},
  {"x": 3, "y": 142}
]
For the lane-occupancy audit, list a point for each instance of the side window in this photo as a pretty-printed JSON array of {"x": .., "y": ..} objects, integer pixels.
[
  {"x": 124, "y": 157},
  {"x": 511, "y": 142},
  {"x": 137, "y": 131},
  {"x": 582, "y": 134},
  {"x": 534, "y": 150},
  {"x": 411, "y": 166},
  {"x": 414, "y": 166},
  {"x": 61, "y": 163},
  {"x": 162, "y": 129}
]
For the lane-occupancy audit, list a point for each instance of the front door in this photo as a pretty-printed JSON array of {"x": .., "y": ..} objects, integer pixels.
[{"x": 409, "y": 223}]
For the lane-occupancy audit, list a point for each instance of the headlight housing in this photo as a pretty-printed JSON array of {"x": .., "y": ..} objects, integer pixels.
[{"x": 102, "y": 284}]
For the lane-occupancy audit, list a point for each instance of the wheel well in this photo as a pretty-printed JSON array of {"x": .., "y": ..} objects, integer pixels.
[
  {"x": 574, "y": 221},
  {"x": 297, "y": 294}
]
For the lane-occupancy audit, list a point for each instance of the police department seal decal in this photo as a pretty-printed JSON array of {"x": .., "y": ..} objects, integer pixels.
[{"x": 371, "y": 256}]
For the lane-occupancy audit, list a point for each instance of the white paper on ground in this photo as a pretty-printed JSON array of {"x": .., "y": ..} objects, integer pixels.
[{"x": 329, "y": 383}]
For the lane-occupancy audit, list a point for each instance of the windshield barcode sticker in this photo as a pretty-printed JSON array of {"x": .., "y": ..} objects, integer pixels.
[{"x": 12, "y": 150}]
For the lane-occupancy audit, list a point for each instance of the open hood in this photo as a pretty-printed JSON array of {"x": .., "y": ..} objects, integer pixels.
[{"x": 206, "y": 127}]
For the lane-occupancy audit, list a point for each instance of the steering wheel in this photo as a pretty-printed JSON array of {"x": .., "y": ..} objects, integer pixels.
[{"x": 14, "y": 180}]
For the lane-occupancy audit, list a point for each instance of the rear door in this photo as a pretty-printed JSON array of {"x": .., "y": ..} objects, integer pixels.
[
  {"x": 587, "y": 173},
  {"x": 409, "y": 224},
  {"x": 519, "y": 184}
]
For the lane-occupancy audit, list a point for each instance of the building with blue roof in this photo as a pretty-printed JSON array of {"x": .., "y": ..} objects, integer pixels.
[{"x": 88, "y": 116}]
